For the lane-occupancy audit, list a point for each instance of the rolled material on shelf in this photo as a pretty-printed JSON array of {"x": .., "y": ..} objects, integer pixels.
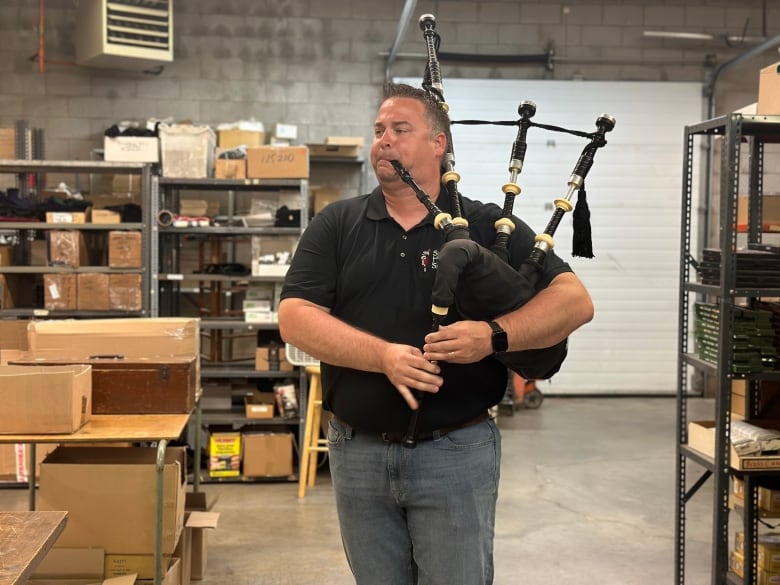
[{"x": 165, "y": 218}]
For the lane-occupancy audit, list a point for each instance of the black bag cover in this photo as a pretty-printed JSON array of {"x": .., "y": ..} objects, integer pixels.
[{"x": 482, "y": 286}]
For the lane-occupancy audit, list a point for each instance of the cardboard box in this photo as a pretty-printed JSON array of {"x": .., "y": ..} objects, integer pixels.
[
  {"x": 124, "y": 249},
  {"x": 39, "y": 253},
  {"x": 767, "y": 550},
  {"x": 345, "y": 140},
  {"x": 130, "y": 337},
  {"x": 334, "y": 151},
  {"x": 111, "y": 496},
  {"x": 323, "y": 196},
  {"x": 104, "y": 216},
  {"x": 9, "y": 355},
  {"x": 234, "y": 138},
  {"x": 131, "y": 149},
  {"x": 67, "y": 248},
  {"x": 230, "y": 168},
  {"x": 200, "y": 520},
  {"x": 66, "y": 217},
  {"x": 338, "y": 147},
  {"x": 767, "y": 399},
  {"x": 768, "y": 497},
  {"x": 272, "y": 359},
  {"x": 267, "y": 454},
  {"x": 124, "y": 292},
  {"x": 6, "y": 255},
  {"x": 92, "y": 291},
  {"x": 701, "y": 437},
  {"x": 770, "y": 213},
  {"x": 60, "y": 292},
  {"x": 143, "y": 337},
  {"x": 769, "y": 90},
  {"x": 7, "y": 144},
  {"x": 16, "y": 291},
  {"x": 13, "y": 334},
  {"x": 186, "y": 151},
  {"x": 71, "y": 563},
  {"x": 152, "y": 385},
  {"x": 277, "y": 162},
  {"x": 763, "y": 577},
  {"x": 172, "y": 576},
  {"x": 224, "y": 454},
  {"x": 115, "y": 189},
  {"x": 260, "y": 405},
  {"x": 44, "y": 400}
]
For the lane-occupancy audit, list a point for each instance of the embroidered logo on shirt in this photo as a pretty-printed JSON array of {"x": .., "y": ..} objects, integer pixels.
[{"x": 429, "y": 259}]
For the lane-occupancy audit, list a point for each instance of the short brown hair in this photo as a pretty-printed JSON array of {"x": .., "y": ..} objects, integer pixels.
[{"x": 437, "y": 116}]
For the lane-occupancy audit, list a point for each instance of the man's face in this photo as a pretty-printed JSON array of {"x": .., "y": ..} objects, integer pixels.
[{"x": 402, "y": 133}]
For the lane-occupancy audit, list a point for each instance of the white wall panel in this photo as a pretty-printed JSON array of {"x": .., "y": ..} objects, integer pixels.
[{"x": 634, "y": 193}]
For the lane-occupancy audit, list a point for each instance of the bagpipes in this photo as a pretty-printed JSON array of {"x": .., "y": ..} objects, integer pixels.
[{"x": 478, "y": 281}]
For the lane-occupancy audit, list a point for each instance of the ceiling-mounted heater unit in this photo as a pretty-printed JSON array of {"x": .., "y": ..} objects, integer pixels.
[{"x": 125, "y": 34}]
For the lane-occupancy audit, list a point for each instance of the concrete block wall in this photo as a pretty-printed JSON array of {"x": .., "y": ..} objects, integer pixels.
[{"x": 320, "y": 64}]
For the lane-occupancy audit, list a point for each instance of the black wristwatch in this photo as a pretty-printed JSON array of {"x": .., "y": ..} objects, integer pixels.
[{"x": 498, "y": 339}]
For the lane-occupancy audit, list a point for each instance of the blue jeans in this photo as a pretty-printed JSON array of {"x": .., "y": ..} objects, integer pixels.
[{"x": 422, "y": 516}]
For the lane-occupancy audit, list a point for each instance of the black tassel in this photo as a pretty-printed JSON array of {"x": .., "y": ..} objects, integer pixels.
[{"x": 581, "y": 245}]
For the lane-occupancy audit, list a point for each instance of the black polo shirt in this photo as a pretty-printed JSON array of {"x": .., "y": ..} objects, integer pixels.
[{"x": 356, "y": 260}]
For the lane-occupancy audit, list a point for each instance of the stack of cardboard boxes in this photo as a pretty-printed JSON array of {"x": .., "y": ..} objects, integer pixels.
[
  {"x": 95, "y": 291},
  {"x": 110, "y": 492}
]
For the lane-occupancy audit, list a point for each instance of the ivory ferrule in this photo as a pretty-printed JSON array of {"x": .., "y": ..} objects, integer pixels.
[
  {"x": 437, "y": 310},
  {"x": 512, "y": 188},
  {"x": 450, "y": 176},
  {"x": 504, "y": 225},
  {"x": 544, "y": 242},
  {"x": 442, "y": 220}
]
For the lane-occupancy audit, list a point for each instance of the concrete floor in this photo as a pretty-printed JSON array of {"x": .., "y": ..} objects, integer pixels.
[{"x": 587, "y": 497}]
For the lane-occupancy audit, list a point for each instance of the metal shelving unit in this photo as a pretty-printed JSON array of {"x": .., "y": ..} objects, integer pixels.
[
  {"x": 733, "y": 130},
  {"x": 27, "y": 230},
  {"x": 171, "y": 285}
]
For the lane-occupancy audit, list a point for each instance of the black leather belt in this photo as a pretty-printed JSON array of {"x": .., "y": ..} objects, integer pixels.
[{"x": 400, "y": 437}]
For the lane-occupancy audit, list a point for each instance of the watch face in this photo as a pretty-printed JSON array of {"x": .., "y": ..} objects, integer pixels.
[
  {"x": 499, "y": 339},
  {"x": 500, "y": 342}
]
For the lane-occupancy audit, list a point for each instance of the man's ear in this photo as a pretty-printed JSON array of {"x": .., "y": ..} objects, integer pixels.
[{"x": 440, "y": 143}]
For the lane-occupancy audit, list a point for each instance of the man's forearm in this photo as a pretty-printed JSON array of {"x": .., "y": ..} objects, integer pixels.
[
  {"x": 549, "y": 317},
  {"x": 314, "y": 330}
]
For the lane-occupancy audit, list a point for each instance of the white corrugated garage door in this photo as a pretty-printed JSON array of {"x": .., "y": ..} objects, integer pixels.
[{"x": 634, "y": 193}]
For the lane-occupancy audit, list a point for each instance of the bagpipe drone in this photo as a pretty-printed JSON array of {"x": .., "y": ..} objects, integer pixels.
[{"x": 478, "y": 281}]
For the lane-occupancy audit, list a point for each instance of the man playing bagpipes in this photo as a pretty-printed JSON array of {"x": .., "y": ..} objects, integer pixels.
[{"x": 358, "y": 297}]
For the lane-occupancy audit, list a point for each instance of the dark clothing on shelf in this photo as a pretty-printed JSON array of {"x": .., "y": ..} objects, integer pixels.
[{"x": 357, "y": 261}]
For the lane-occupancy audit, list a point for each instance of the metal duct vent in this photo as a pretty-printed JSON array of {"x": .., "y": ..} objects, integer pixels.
[{"x": 125, "y": 34}]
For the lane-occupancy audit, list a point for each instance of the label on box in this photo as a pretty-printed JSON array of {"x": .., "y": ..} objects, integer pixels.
[
  {"x": 278, "y": 162},
  {"x": 65, "y": 217},
  {"x": 131, "y": 149}
]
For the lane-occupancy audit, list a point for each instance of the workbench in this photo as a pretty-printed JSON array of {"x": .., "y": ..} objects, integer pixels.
[
  {"x": 25, "y": 538},
  {"x": 117, "y": 428}
]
